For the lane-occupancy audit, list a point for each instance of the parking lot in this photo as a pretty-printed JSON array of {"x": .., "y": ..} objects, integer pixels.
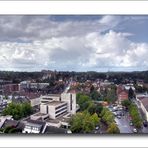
[{"x": 122, "y": 119}]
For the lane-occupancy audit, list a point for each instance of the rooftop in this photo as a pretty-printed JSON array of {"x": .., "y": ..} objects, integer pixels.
[
  {"x": 145, "y": 103},
  {"x": 55, "y": 130},
  {"x": 54, "y": 103},
  {"x": 7, "y": 123},
  {"x": 54, "y": 95},
  {"x": 35, "y": 123}
]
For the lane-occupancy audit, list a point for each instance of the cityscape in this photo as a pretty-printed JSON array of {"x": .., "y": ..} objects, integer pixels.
[{"x": 73, "y": 74}]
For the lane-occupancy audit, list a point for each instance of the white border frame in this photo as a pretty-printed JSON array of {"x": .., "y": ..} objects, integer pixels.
[{"x": 74, "y": 7}]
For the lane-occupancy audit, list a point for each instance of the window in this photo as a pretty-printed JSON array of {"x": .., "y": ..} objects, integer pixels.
[
  {"x": 70, "y": 101},
  {"x": 61, "y": 110},
  {"x": 47, "y": 109},
  {"x": 60, "y": 106},
  {"x": 61, "y": 114}
]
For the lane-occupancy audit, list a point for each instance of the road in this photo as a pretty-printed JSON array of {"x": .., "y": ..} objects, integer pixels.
[{"x": 123, "y": 124}]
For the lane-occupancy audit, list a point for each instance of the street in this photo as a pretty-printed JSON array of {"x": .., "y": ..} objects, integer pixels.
[{"x": 123, "y": 124}]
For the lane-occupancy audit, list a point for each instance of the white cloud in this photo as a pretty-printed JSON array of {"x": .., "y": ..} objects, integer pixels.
[
  {"x": 91, "y": 51},
  {"x": 68, "y": 45}
]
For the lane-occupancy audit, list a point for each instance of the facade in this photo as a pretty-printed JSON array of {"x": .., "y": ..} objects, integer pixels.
[
  {"x": 143, "y": 101},
  {"x": 122, "y": 96},
  {"x": 70, "y": 98},
  {"x": 55, "y": 109},
  {"x": 34, "y": 127},
  {"x": 35, "y": 102},
  {"x": 58, "y": 105},
  {"x": 10, "y": 88},
  {"x": 144, "y": 107}
]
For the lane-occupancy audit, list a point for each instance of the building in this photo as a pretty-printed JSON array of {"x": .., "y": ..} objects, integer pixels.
[
  {"x": 24, "y": 85},
  {"x": 34, "y": 127},
  {"x": 4, "y": 118},
  {"x": 70, "y": 98},
  {"x": 56, "y": 105},
  {"x": 11, "y": 88},
  {"x": 55, "y": 130},
  {"x": 54, "y": 108},
  {"x": 35, "y": 101},
  {"x": 143, "y": 102},
  {"x": 123, "y": 95},
  {"x": 129, "y": 86}
]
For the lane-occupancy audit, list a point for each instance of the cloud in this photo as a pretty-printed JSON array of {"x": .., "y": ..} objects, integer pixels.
[
  {"x": 92, "y": 51},
  {"x": 30, "y": 43}
]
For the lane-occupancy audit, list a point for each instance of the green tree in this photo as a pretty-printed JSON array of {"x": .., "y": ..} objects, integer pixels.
[
  {"x": 130, "y": 93},
  {"x": 95, "y": 119},
  {"x": 18, "y": 110},
  {"x": 113, "y": 129},
  {"x": 107, "y": 116},
  {"x": 95, "y": 95},
  {"x": 126, "y": 103},
  {"x": 136, "y": 118},
  {"x": 84, "y": 122}
]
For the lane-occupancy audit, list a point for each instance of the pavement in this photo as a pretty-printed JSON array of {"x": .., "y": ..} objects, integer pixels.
[{"x": 144, "y": 129}]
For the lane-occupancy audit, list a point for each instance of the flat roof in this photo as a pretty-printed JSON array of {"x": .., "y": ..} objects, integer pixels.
[
  {"x": 39, "y": 114},
  {"x": 52, "y": 120},
  {"x": 54, "y": 103},
  {"x": 54, "y": 95}
]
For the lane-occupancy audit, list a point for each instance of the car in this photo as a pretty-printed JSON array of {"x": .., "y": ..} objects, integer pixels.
[
  {"x": 115, "y": 108},
  {"x": 145, "y": 124},
  {"x": 120, "y": 113},
  {"x": 115, "y": 113},
  {"x": 131, "y": 123},
  {"x": 119, "y": 117},
  {"x": 135, "y": 130},
  {"x": 97, "y": 127}
]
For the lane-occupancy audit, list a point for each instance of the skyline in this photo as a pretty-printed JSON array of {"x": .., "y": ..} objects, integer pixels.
[{"x": 74, "y": 43}]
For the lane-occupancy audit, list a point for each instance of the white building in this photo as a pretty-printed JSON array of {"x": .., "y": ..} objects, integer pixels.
[
  {"x": 70, "y": 98},
  {"x": 35, "y": 101},
  {"x": 143, "y": 101},
  {"x": 55, "y": 109},
  {"x": 34, "y": 127}
]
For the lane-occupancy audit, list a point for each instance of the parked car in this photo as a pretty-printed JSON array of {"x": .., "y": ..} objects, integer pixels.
[
  {"x": 115, "y": 113},
  {"x": 119, "y": 117},
  {"x": 135, "y": 130},
  {"x": 97, "y": 127},
  {"x": 145, "y": 124},
  {"x": 120, "y": 113},
  {"x": 131, "y": 123},
  {"x": 115, "y": 108}
]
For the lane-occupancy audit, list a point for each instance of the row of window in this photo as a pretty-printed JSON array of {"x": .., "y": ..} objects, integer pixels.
[
  {"x": 61, "y": 114},
  {"x": 61, "y": 110},
  {"x": 32, "y": 128},
  {"x": 60, "y": 106}
]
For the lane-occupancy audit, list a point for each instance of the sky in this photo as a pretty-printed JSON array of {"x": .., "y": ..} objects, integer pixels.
[{"x": 74, "y": 42}]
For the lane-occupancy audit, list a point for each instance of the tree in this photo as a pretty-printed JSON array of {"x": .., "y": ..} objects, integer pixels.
[
  {"x": 18, "y": 110},
  {"x": 94, "y": 95},
  {"x": 113, "y": 129},
  {"x": 107, "y": 116},
  {"x": 84, "y": 122},
  {"x": 99, "y": 109},
  {"x": 84, "y": 101},
  {"x": 126, "y": 103},
  {"x": 95, "y": 119},
  {"x": 92, "y": 89},
  {"x": 110, "y": 95},
  {"x": 130, "y": 93},
  {"x": 134, "y": 113}
]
